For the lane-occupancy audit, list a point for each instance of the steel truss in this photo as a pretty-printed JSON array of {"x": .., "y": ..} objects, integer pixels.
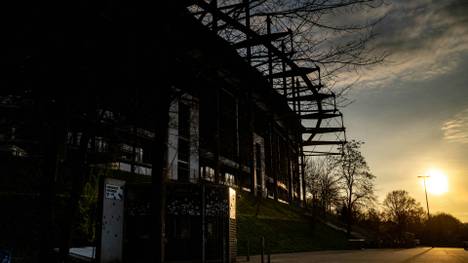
[{"x": 272, "y": 54}]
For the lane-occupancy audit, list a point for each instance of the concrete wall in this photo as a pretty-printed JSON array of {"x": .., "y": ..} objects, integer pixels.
[{"x": 112, "y": 221}]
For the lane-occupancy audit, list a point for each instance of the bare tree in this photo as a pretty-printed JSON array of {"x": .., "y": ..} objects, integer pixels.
[
  {"x": 357, "y": 182},
  {"x": 312, "y": 171},
  {"x": 336, "y": 35},
  {"x": 324, "y": 33},
  {"x": 322, "y": 182}
]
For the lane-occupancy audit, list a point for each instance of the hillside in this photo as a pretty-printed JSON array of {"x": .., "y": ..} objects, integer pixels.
[{"x": 284, "y": 227}]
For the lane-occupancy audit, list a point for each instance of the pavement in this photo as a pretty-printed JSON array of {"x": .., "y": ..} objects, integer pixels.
[{"x": 416, "y": 255}]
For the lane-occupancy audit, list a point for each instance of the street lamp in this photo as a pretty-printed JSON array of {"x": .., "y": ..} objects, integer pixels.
[{"x": 425, "y": 191}]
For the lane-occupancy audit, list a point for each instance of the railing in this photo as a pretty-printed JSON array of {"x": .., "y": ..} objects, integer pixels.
[{"x": 264, "y": 251}]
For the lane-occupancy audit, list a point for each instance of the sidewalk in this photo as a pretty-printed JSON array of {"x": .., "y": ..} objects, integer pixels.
[{"x": 417, "y": 255}]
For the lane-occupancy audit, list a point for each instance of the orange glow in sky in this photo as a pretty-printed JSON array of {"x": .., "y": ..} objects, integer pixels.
[{"x": 437, "y": 183}]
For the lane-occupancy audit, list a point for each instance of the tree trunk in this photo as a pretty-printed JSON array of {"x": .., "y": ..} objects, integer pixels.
[
  {"x": 348, "y": 222},
  {"x": 349, "y": 216},
  {"x": 162, "y": 100},
  {"x": 51, "y": 125},
  {"x": 47, "y": 192},
  {"x": 79, "y": 178},
  {"x": 159, "y": 178}
]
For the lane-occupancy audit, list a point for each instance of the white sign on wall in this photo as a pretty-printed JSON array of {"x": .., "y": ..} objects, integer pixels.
[
  {"x": 232, "y": 203},
  {"x": 114, "y": 192}
]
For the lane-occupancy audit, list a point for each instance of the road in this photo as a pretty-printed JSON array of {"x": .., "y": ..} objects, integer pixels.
[{"x": 413, "y": 255}]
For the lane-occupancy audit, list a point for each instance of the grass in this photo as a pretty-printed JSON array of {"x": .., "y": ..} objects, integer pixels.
[{"x": 285, "y": 228}]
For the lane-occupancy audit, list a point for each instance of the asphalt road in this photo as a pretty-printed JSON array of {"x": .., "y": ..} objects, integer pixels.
[{"x": 417, "y": 255}]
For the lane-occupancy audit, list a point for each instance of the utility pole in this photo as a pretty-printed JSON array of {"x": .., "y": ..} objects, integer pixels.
[{"x": 425, "y": 191}]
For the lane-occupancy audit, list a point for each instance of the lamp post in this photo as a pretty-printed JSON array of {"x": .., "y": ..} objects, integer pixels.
[{"x": 425, "y": 191}]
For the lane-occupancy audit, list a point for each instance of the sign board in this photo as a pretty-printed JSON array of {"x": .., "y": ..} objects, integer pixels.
[
  {"x": 114, "y": 192},
  {"x": 232, "y": 203}
]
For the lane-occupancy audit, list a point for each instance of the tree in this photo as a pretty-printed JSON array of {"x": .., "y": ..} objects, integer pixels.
[
  {"x": 322, "y": 36},
  {"x": 443, "y": 230},
  {"x": 322, "y": 182},
  {"x": 335, "y": 35},
  {"x": 372, "y": 218},
  {"x": 403, "y": 210},
  {"x": 356, "y": 180}
]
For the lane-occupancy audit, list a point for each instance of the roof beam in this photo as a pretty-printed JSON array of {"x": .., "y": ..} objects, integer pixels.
[
  {"x": 317, "y": 143},
  {"x": 318, "y": 96},
  {"x": 321, "y": 154},
  {"x": 316, "y": 116},
  {"x": 324, "y": 130}
]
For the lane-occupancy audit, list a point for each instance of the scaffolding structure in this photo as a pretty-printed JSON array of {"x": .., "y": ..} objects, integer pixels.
[
  {"x": 272, "y": 53},
  {"x": 270, "y": 49}
]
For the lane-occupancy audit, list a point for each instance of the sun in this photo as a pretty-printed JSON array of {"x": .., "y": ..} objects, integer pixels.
[{"x": 437, "y": 183}]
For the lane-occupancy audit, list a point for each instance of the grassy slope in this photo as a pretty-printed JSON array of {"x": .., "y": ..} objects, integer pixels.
[{"x": 284, "y": 227}]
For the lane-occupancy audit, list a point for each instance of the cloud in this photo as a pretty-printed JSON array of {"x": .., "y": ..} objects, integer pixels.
[
  {"x": 424, "y": 39},
  {"x": 456, "y": 129}
]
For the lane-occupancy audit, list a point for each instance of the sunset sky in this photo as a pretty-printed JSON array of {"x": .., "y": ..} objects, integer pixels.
[{"x": 412, "y": 111}]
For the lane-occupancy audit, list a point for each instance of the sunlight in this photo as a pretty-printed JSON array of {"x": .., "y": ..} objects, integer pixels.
[{"x": 437, "y": 183}]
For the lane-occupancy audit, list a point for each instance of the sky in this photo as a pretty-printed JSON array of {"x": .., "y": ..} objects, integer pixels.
[{"x": 412, "y": 110}]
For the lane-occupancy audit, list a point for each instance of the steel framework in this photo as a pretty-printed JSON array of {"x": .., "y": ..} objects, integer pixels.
[{"x": 272, "y": 54}]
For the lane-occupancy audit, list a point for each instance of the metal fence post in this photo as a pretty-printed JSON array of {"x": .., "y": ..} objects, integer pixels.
[
  {"x": 268, "y": 252},
  {"x": 263, "y": 250},
  {"x": 248, "y": 250}
]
